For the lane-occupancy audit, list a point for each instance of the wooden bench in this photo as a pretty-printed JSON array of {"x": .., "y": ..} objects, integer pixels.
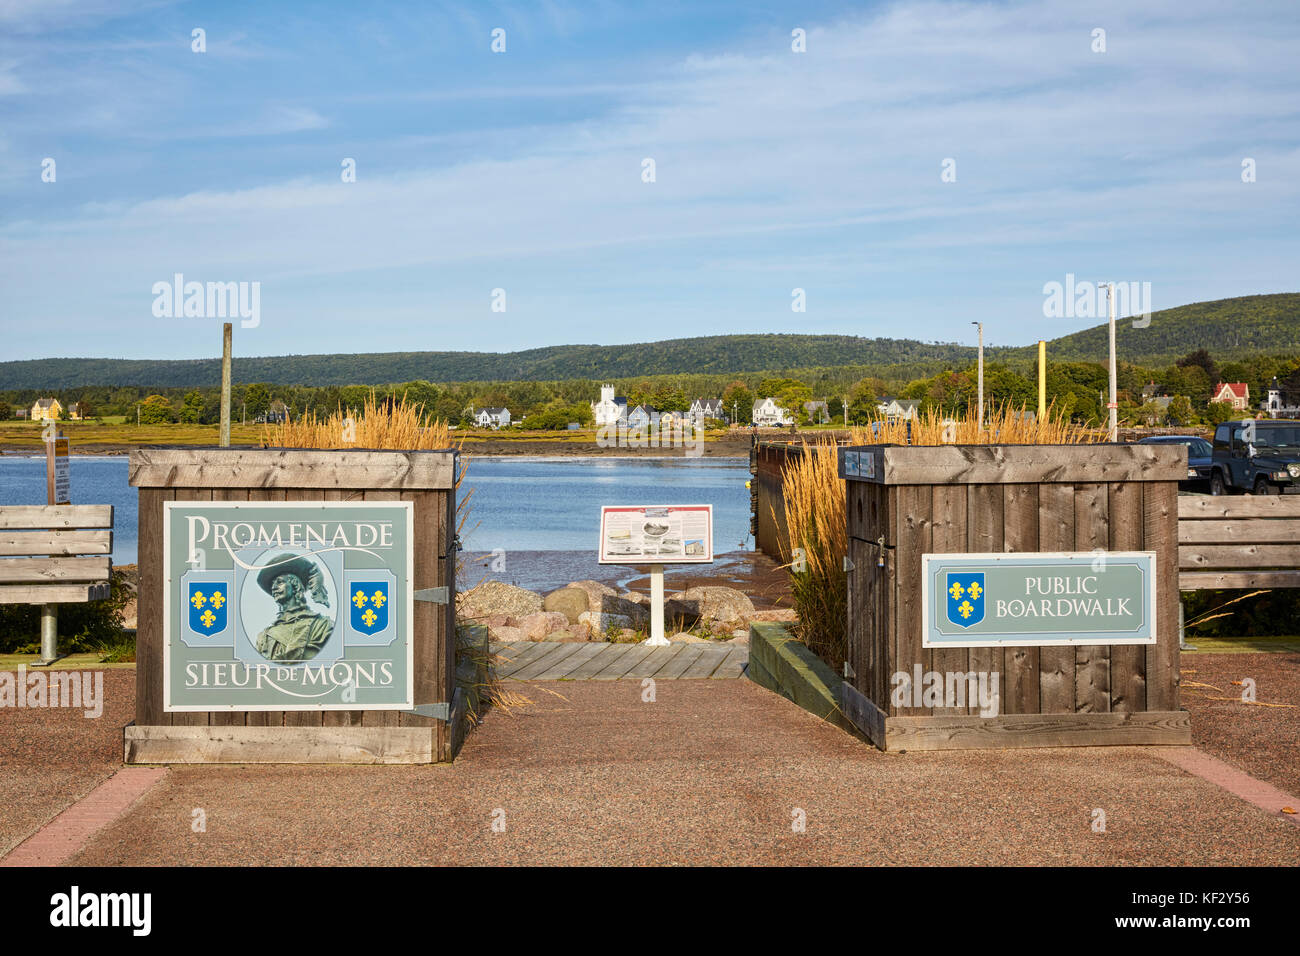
[
  {"x": 1251, "y": 541},
  {"x": 54, "y": 554}
]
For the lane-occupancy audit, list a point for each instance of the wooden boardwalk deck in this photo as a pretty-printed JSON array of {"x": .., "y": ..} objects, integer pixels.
[{"x": 542, "y": 660}]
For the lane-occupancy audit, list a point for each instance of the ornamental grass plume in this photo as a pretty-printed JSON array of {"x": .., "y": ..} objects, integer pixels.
[{"x": 1004, "y": 424}]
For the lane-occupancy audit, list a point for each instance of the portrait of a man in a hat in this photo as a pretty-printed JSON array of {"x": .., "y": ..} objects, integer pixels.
[{"x": 298, "y": 633}]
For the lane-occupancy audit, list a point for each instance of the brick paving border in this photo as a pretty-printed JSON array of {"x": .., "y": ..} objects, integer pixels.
[
  {"x": 1263, "y": 795},
  {"x": 72, "y": 829}
]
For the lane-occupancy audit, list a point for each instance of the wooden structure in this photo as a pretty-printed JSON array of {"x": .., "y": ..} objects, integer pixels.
[
  {"x": 767, "y": 461},
  {"x": 426, "y": 478},
  {"x": 1251, "y": 541},
  {"x": 51, "y": 555},
  {"x": 1011, "y": 498}
]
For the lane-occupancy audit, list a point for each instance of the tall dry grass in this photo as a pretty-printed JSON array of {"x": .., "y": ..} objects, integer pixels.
[
  {"x": 818, "y": 542},
  {"x": 398, "y": 425},
  {"x": 814, "y": 497},
  {"x": 1003, "y": 425}
]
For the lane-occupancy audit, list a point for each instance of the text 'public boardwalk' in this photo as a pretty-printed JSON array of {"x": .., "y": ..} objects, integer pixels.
[{"x": 541, "y": 660}]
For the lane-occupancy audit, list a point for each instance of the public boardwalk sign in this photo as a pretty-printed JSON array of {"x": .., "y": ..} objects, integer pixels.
[
  {"x": 987, "y": 600},
  {"x": 279, "y": 606},
  {"x": 656, "y": 534}
]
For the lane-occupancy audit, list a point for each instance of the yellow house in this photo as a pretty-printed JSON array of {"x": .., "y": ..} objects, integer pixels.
[{"x": 46, "y": 410}]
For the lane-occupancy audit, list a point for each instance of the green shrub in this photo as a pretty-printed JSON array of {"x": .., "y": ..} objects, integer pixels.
[{"x": 82, "y": 627}]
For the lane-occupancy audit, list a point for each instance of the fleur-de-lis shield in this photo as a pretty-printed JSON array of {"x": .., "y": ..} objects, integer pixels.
[
  {"x": 965, "y": 597},
  {"x": 369, "y": 603},
  {"x": 208, "y": 601}
]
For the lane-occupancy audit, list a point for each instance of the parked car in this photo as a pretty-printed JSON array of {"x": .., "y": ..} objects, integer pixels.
[
  {"x": 1260, "y": 457},
  {"x": 1199, "y": 455}
]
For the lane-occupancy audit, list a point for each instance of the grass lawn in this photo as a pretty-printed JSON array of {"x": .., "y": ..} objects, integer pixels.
[
  {"x": 9, "y": 662},
  {"x": 1243, "y": 645},
  {"x": 28, "y": 434}
]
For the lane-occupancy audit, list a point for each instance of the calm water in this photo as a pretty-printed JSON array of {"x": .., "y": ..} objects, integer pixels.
[{"x": 521, "y": 505}]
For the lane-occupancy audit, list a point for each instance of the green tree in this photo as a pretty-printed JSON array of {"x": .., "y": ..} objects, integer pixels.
[
  {"x": 5, "y": 410},
  {"x": 1220, "y": 412},
  {"x": 257, "y": 399},
  {"x": 738, "y": 401},
  {"x": 1180, "y": 411},
  {"x": 155, "y": 410},
  {"x": 192, "y": 409}
]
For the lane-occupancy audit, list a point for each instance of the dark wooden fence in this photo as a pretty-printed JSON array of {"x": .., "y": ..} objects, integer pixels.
[
  {"x": 426, "y": 479},
  {"x": 952, "y": 499}
]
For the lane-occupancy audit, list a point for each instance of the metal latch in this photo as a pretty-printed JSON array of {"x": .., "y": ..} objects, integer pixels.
[
  {"x": 880, "y": 543},
  {"x": 432, "y": 595},
  {"x": 848, "y": 563},
  {"x": 438, "y": 711}
]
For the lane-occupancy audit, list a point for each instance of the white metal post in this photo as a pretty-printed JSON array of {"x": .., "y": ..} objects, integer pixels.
[
  {"x": 657, "y": 638},
  {"x": 980, "y": 326},
  {"x": 1113, "y": 404}
]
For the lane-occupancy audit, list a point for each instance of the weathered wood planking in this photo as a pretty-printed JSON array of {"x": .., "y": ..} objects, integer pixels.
[
  {"x": 1161, "y": 728},
  {"x": 149, "y": 610},
  {"x": 1235, "y": 530},
  {"x": 55, "y": 542},
  {"x": 354, "y": 745},
  {"x": 291, "y": 468},
  {"x": 53, "y": 570},
  {"x": 985, "y": 524},
  {"x": 77, "y": 593},
  {"x": 40, "y": 517},
  {"x": 1211, "y": 557},
  {"x": 1020, "y": 534},
  {"x": 913, "y": 534},
  {"x": 1196, "y": 507},
  {"x": 1128, "y": 692},
  {"x": 1019, "y": 464},
  {"x": 1092, "y": 662},
  {"x": 1056, "y": 663},
  {"x": 1160, "y": 534},
  {"x": 1203, "y": 580},
  {"x": 947, "y": 535}
]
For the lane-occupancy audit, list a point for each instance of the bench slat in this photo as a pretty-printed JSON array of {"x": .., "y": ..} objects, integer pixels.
[
  {"x": 56, "y": 570},
  {"x": 1248, "y": 530},
  {"x": 55, "y": 542},
  {"x": 16, "y": 517},
  {"x": 1211, "y": 580},
  {"x": 1232, "y": 506},
  {"x": 52, "y": 593},
  {"x": 1237, "y": 557}
]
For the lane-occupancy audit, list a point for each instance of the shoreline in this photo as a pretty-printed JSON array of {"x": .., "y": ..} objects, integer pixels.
[{"x": 727, "y": 448}]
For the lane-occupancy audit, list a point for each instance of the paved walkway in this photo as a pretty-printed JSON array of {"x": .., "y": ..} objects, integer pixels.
[{"x": 551, "y": 660}]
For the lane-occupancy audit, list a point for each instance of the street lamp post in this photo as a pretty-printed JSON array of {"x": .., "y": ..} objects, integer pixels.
[
  {"x": 1113, "y": 404},
  {"x": 980, "y": 326}
]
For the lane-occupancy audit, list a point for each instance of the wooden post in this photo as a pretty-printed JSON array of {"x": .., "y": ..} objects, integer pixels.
[
  {"x": 224, "y": 440},
  {"x": 1042, "y": 379}
]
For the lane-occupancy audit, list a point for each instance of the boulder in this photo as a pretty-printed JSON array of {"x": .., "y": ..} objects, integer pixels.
[
  {"x": 571, "y": 634},
  {"x": 595, "y": 591},
  {"x": 489, "y": 598},
  {"x": 775, "y": 614},
  {"x": 568, "y": 601},
  {"x": 538, "y": 625},
  {"x": 506, "y": 635},
  {"x": 719, "y": 605},
  {"x": 600, "y": 623}
]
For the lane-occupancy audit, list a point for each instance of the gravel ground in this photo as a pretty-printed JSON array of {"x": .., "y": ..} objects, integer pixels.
[
  {"x": 1263, "y": 741},
  {"x": 712, "y": 772},
  {"x": 52, "y": 757}
]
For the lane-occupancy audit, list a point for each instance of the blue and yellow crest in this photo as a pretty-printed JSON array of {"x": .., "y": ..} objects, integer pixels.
[
  {"x": 369, "y": 600},
  {"x": 208, "y": 601},
  {"x": 965, "y": 597}
]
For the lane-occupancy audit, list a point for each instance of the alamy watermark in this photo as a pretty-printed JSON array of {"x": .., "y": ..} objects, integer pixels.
[
  {"x": 683, "y": 433},
  {"x": 213, "y": 300},
  {"x": 947, "y": 689},
  {"x": 77, "y": 689},
  {"x": 1087, "y": 300}
]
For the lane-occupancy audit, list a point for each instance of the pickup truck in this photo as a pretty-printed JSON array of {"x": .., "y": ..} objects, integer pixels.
[{"x": 1259, "y": 457}]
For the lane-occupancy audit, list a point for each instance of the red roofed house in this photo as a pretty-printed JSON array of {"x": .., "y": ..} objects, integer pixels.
[{"x": 1236, "y": 394}]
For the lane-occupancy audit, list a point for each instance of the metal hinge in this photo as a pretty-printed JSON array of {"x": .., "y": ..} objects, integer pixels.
[
  {"x": 432, "y": 595},
  {"x": 848, "y": 563},
  {"x": 438, "y": 711}
]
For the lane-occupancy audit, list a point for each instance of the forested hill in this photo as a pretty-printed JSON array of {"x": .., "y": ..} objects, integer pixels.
[{"x": 1229, "y": 328}]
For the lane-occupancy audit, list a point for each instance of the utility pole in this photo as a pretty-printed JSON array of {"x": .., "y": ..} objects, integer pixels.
[
  {"x": 980, "y": 326},
  {"x": 1113, "y": 404},
  {"x": 224, "y": 440},
  {"x": 846, "y": 411}
]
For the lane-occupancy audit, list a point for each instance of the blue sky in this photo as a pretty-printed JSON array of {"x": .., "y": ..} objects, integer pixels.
[{"x": 522, "y": 170}]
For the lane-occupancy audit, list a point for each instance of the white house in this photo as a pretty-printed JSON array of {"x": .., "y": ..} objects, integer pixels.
[
  {"x": 706, "y": 408},
  {"x": 768, "y": 413},
  {"x": 492, "y": 417},
  {"x": 611, "y": 409},
  {"x": 898, "y": 409},
  {"x": 1279, "y": 404}
]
